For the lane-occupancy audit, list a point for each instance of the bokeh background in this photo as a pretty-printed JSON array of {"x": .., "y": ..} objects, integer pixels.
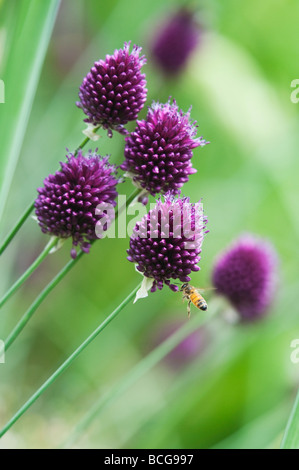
[{"x": 237, "y": 388}]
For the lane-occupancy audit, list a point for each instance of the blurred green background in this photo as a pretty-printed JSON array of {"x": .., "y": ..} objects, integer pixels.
[{"x": 239, "y": 391}]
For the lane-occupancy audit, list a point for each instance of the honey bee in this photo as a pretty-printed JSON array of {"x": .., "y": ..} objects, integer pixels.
[{"x": 193, "y": 295}]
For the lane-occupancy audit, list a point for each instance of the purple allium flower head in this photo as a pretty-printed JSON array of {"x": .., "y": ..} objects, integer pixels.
[
  {"x": 65, "y": 206},
  {"x": 167, "y": 242},
  {"x": 114, "y": 92},
  {"x": 246, "y": 275},
  {"x": 175, "y": 41},
  {"x": 158, "y": 153}
]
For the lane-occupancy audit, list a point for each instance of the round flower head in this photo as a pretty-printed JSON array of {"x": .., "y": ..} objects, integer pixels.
[
  {"x": 246, "y": 275},
  {"x": 65, "y": 206},
  {"x": 167, "y": 242},
  {"x": 158, "y": 153},
  {"x": 114, "y": 92},
  {"x": 175, "y": 42}
]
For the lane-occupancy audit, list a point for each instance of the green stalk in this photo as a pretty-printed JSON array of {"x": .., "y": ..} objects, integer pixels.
[
  {"x": 28, "y": 211},
  {"x": 68, "y": 362},
  {"x": 33, "y": 307},
  {"x": 17, "y": 227},
  {"x": 141, "y": 368},
  {"x": 53, "y": 241},
  {"x": 44, "y": 293},
  {"x": 291, "y": 435}
]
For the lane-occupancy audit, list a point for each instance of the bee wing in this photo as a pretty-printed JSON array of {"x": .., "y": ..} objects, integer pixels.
[{"x": 202, "y": 290}]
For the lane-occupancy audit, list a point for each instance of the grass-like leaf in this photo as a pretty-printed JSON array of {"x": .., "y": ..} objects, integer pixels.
[
  {"x": 291, "y": 435},
  {"x": 27, "y": 25}
]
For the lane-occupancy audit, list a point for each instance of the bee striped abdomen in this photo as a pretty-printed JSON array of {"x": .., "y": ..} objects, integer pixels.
[
  {"x": 196, "y": 299},
  {"x": 202, "y": 304}
]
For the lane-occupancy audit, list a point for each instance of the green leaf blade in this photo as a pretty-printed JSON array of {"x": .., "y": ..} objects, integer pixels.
[
  {"x": 28, "y": 30},
  {"x": 291, "y": 436}
]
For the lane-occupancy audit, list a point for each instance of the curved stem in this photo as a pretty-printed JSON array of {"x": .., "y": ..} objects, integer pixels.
[
  {"x": 29, "y": 271},
  {"x": 33, "y": 307},
  {"x": 28, "y": 211},
  {"x": 67, "y": 363}
]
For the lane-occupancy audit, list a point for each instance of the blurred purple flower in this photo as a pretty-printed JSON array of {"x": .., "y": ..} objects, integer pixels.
[
  {"x": 246, "y": 274},
  {"x": 65, "y": 206},
  {"x": 184, "y": 352},
  {"x": 175, "y": 41},
  {"x": 114, "y": 92},
  {"x": 158, "y": 153},
  {"x": 167, "y": 242}
]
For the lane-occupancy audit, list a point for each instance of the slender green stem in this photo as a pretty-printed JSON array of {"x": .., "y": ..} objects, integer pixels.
[
  {"x": 39, "y": 299},
  {"x": 85, "y": 141},
  {"x": 67, "y": 363},
  {"x": 291, "y": 435},
  {"x": 44, "y": 293},
  {"x": 29, "y": 271},
  {"x": 141, "y": 368},
  {"x": 28, "y": 211},
  {"x": 130, "y": 199},
  {"x": 17, "y": 227}
]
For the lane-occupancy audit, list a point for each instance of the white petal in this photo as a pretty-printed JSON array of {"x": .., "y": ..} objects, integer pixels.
[
  {"x": 128, "y": 174},
  {"x": 146, "y": 285},
  {"x": 90, "y": 132},
  {"x": 58, "y": 245}
]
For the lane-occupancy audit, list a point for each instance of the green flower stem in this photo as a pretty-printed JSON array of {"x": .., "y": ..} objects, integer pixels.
[
  {"x": 53, "y": 241},
  {"x": 130, "y": 199},
  {"x": 17, "y": 227},
  {"x": 68, "y": 362},
  {"x": 33, "y": 307},
  {"x": 141, "y": 368},
  {"x": 291, "y": 435},
  {"x": 80, "y": 147},
  {"x": 48, "y": 248},
  {"x": 44, "y": 293},
  {"x": 28, "y": 211}
]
